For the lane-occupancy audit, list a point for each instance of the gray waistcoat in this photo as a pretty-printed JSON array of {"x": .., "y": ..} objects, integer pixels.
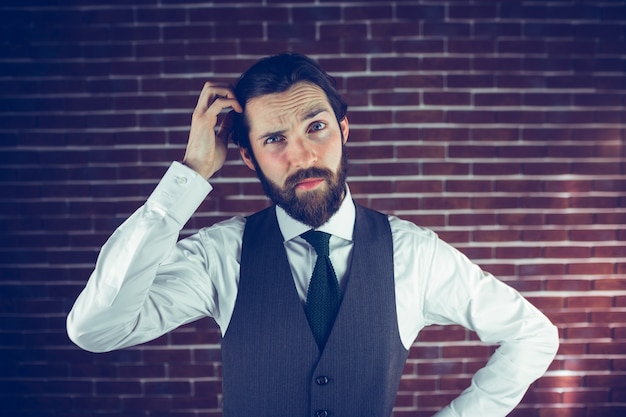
[{"x": 272, "y": 365}]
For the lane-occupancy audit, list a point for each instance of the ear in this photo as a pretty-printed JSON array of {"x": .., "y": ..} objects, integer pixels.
[
  {"x": 246, "y": 157},
  {"x": 345, "y": 128}
]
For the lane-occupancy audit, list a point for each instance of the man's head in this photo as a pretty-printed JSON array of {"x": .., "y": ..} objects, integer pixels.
[
  {"x": 292, "y": 133},
  {"x": 276, "y": 74}
]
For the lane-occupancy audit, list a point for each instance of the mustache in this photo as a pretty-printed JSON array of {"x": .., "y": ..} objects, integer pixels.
[{"x": 304, "y": 174}]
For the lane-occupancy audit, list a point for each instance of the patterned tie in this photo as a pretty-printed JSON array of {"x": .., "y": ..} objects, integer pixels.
[{"x": 323, "y": 298}]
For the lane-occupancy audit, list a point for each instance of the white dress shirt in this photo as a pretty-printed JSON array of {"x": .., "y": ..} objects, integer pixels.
[{"x": 145, "y": 284}]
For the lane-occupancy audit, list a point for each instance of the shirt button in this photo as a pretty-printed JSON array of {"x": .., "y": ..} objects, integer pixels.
[
  {"x": 321, "y": 380},
  {"x": 181, "y": 180},
  {"x": 321, "y": 413}
]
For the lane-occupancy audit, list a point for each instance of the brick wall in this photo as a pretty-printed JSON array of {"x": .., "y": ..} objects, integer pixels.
[{"x": 501, "y": 125}]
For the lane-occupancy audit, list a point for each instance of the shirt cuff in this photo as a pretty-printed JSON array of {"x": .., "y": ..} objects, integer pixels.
[{"x": 180, "y": 192}]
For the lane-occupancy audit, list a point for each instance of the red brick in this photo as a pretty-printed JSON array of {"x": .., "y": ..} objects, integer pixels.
[
  {"x": 414, "y": 45},
  {"x": 598, "y": 134},
  {"x": 419, "y": 116},
  {"x": 469, "y": 80},
  {"x": 389, "y": 64},
  {"x": 564, "y": 117},
  {"x": 568, "y": 186},
  {"x": 461, "y": 116},
  {"x": 445, "y": 63},
  {"x": 416, "y": 384},
  {"x": 612, "y": 284},
  {"x": 606, "y": 168},
  {"x": 546, "y": 134},
  {"x": 384, "y": 204},
  {"x": 609, "y": 251},
  {"x": 572, "y": 348},
  {"x": 591, "y": 268},
  {"x": 371, "y": 117},
  {"x": 548, "y": 381},
  {"x": 174, "y": 355},
  {"x": 435, "y": 400},
  {"x": 612, "y": 217},
  {"x": 611, "y": 381},
  {"x": 608, "y": 316},
  {"x": 496, "y": 168},
  {"x": 392, "y": 29},
  {"x": 477, "y": 253},
  {"x": 118, "y": 387},
  {"x": 547, "y": 303},
  {"x": 569, "y": 285},
  {"x": 547, "y": 99},
  {"x": 466, "y": 351},
  {"x": 167, "y": 387},
  {"x": 571, "y": 411},
  {"x": 589, "y": 332},
  {"x": 144, "y": 403},
  {"x": 471, "y": 46},
  {"x": 574, "y": 219},
  {"x": 166, "y": 14},
  {"x": 343, "y": 64},
  {"x": 416, "y": 186},
  {"x": 571, "y": 252},
  {"x": 472, "y": 219},
  {"x": 440, "y": 368},
  {"x": 404, "y": 400},
  {"x": 610, "y": 410},
  {"x": 552, "y": 169},
  {"x": 460, "y": 186},
  {"x": 543, "y": 235},
  {"x": 447, "y": 99},
  {"x": 517, "y": 252},
  {"x": 445, "y": 168},
  {"x": 454, "y": 237},
  {"x": 521, "y": 151},
  {"x": 495, "y": 236},
  {"x": 443, "y": 333},
  {"x": 587, "y": 396}
]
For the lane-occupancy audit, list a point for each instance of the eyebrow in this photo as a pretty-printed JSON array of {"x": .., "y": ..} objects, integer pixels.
[
  {"x": 310, "y": 114},
  {"x": 313, "y": 112}
]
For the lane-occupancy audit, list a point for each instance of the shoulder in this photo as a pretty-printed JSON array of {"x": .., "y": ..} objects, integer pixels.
[{"x": 405, "y": 230}]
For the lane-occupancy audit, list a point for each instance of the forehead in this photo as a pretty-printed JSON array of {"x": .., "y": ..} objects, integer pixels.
[{"x": 280, "y": 108}]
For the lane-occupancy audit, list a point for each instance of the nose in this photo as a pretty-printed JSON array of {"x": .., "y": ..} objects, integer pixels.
[{"x": 302, "y": 153}]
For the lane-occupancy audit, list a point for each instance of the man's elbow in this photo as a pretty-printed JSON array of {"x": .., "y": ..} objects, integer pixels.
[
  {"x": 78, "y": 332},
  {"x": 553, "y": 340}
]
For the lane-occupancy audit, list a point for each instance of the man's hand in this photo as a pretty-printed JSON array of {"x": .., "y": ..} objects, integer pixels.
[{"x": 206, "y": 149}]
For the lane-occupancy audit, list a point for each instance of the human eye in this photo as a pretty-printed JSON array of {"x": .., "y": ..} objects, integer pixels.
[
  {"x": 272, "y": 139},
  {"x": 317, "y": 126}
]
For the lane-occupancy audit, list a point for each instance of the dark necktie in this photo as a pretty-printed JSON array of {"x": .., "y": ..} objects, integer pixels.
[{"x": 323, "y": 298}]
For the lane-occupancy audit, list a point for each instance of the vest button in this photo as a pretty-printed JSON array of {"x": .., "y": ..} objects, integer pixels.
[
  {"x": 321, "y": 380},
  {"x": 321, "y": 413}
]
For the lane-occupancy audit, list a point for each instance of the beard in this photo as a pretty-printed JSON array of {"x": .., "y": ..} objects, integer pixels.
[{"x": 314, "y": 207}]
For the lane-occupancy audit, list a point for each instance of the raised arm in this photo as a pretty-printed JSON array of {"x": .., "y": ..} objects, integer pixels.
[{"x": 144, "y": 283}]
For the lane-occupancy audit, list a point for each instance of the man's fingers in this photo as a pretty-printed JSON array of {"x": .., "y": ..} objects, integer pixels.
[
  {"x": 203, "y": 99},
  {"x": 224, "y": 102},
  {"x": 216, "y": 97}
]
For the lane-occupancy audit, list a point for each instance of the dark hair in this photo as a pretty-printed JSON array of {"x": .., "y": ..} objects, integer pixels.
[{"x": 276, "y": 74}]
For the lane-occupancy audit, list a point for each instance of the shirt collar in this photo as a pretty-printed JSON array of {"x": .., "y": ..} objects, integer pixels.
[{"x": 341, "y": 224}]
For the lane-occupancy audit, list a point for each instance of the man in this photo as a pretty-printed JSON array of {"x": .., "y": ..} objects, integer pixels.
[{"x": 312, "y": 325}]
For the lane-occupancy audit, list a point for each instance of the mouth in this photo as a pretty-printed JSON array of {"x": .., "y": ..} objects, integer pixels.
[{"x": 309, "y": 184}]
